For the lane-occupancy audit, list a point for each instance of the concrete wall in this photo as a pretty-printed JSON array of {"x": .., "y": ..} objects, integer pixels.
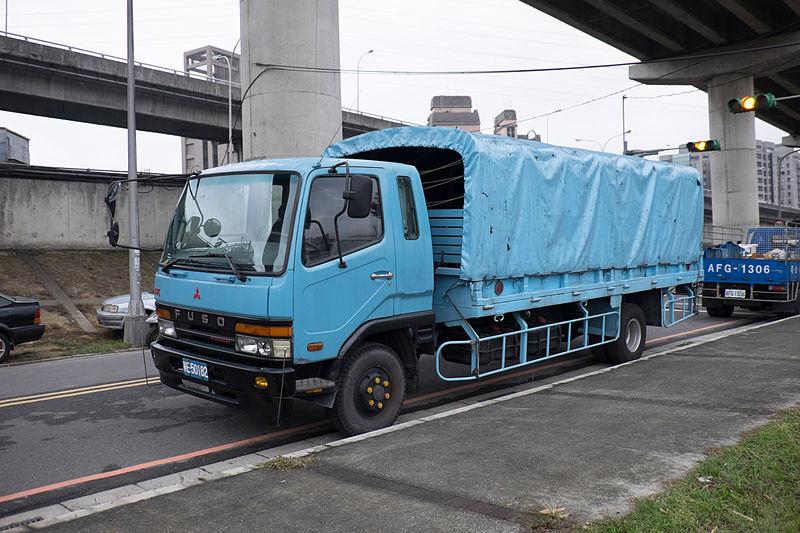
[{"x": 68, "y": 214}]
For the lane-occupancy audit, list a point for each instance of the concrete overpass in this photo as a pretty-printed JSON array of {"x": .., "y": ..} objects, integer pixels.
[
  {"x": 50, "y": 80},
  {"x": 728, "y": 48},
  {"x": 671, "y": 29}
]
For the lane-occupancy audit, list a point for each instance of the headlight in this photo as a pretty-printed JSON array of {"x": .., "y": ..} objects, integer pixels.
[
  {"x": 167, "y": 328},
  {"x": 108, "y": 308},
  {"x": 273, "y": 348}
]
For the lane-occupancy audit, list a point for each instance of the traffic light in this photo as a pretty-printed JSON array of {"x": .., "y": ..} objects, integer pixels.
[
  {"x": 759, "y": 102},
  {"x": 703, "y": 146}
]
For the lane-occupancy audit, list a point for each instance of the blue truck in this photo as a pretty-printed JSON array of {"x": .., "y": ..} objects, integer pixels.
[
  {"x": 767, "y": 278},
  {"x": 326, "y": 279}
]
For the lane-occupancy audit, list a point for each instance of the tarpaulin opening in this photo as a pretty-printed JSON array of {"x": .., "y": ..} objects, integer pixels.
[{"x": 441, "y": 171}]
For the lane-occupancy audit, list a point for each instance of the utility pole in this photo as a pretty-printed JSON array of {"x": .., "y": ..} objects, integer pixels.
[{"x": 135, "y": 326}]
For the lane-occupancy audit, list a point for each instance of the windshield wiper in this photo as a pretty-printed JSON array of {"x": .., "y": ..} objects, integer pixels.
[
  {"x": 241, "y": 277},
  {"x": 172, "y": 262}
]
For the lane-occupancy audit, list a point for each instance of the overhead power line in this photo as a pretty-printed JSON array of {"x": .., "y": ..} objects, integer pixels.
[{"x": 332, "y": 70}]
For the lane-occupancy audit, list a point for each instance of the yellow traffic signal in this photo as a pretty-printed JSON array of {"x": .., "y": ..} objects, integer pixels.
[
  {"x": 745, "y": 104},
  {"x": 703, "y": 146}
]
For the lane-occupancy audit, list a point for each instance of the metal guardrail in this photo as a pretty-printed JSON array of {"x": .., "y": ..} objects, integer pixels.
[
  {"x": 101, "y": 55},
  {"x": 380, "y": 117}
]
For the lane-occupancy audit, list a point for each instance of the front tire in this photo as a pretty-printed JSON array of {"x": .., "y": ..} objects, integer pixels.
[
  {"x": 370, "y": 390},
  {"x": 632, "y": 335},
  {"x": 5, "y": 348}
]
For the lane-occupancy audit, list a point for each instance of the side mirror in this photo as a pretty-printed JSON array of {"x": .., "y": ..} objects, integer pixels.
[
  {"x": 111, "y": 196},
  {"x": 212, "y": 227},
  {"x": 113, "y": 233},
  {"x": 111, "y": 204},
  {"x": 359, "y": 197}
]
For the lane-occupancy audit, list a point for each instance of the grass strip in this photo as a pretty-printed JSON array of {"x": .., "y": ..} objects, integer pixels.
[{"x": 751, "y": 486}]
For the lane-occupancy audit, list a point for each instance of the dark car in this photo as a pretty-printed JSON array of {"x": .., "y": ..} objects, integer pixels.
[{"x": 19, "y": 322}]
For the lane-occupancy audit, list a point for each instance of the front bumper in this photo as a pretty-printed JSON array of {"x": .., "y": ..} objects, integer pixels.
[
  {"x": 228, "y": 383},
  {"x": 110, "y": 320}
]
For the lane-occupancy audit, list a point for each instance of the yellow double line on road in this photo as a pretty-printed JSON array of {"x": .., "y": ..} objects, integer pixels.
[{"x": 21, "y": 400}]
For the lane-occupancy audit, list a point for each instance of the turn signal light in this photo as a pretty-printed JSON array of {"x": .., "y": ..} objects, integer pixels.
[
  {"x": 264, "y": 331},
  {"x": 163, "y": 313}
]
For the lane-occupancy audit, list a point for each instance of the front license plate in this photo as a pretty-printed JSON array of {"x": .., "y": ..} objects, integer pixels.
[
  {"x": 735, "y": 293},
  {"x": 195, "y": 369}
]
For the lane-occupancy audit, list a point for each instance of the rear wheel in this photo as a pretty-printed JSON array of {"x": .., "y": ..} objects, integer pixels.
[
  {"x": 724, "y": 311},
  {"x": 5, "y": 348},
  {"x": 632, "y": 335},
  {"x": 370, "y": 390},
  {"x": 600, "y": 353}
]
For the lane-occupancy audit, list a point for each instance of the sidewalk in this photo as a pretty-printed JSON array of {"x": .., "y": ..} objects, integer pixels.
[{"x": 589, "y": 444}]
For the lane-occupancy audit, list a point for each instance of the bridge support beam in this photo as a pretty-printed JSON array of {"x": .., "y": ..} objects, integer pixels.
[
  {"x": 734, "y": 187},
  {"x": 289, "y": 112}
]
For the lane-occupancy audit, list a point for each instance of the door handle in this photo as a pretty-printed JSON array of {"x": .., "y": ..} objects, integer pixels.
[{"x": 375, "y": 275}]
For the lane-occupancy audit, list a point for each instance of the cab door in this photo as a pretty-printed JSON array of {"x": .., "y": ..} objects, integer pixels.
[{"x": 333, "y": 298}]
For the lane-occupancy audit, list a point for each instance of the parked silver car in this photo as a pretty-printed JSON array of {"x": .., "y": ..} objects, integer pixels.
[{"x": 112, "y": 313}]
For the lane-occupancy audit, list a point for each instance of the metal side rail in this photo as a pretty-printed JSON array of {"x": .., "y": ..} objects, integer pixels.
[
  {"x": 684, "y": 306},
  {"x": 597, "y": 329}
]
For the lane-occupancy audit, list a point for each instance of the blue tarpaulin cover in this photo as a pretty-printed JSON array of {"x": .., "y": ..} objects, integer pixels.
[{"x": 532, "y": 208}]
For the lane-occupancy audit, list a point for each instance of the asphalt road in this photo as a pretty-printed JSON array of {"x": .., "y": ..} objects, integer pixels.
[{"x": 76, "y": 426}]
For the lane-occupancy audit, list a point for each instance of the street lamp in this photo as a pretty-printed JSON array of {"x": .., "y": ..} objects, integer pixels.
[
  {"x": 590, "y": 141},
  {"x": 603, "y": 146},
  {"x": 780, "y": 201},
  {"x": 230, "y": 106},
  {"x": 358, "y": 80}
]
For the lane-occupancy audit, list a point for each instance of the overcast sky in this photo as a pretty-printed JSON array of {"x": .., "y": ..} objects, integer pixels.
[{"x": 405, "y": 35}]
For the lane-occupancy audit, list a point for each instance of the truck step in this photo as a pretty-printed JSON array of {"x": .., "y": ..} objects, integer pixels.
[{"x": 313, "y": 385}]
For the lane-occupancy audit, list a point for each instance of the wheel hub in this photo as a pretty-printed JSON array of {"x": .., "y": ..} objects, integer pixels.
[
  {"x": 633, "y": 335},
  {"x": 374, "y": 391}
]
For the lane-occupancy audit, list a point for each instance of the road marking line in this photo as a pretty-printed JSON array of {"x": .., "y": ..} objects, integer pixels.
[
  {"x": 482, "y": 383},
  {"x": 158, "y": 462},
  {"x": 10, "y": 402},
  {"x": 698, "y": 330}
]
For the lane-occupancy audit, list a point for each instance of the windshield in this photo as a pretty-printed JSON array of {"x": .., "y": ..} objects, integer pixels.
[{"x": 237, "y": 222}]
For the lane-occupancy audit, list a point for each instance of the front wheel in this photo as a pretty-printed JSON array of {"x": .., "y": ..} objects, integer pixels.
[
  {"x": 370, "y": 390},
  {"x": 632, "y": 335}
]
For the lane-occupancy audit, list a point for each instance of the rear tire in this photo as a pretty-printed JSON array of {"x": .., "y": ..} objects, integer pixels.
[
  {"x": 720, "y": 312},
  {"x": 370, "y": 390},
  {"x": 632, "y": 335},
  {"x": 600, "y": 353},
  {"x": 5, "y": 348}
]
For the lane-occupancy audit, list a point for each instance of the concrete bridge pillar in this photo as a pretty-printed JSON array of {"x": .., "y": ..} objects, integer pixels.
[
  {"x": 734, "y": 186},
  {"x": 288, "y": 113}
]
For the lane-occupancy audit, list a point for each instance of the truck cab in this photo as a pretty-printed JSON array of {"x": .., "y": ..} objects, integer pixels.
[{"x": 272, "y": 270}]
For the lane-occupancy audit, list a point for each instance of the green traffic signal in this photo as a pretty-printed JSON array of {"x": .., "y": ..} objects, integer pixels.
[
  {"x": 703, "y": 146},
  {"x": 745, "y": 104}
]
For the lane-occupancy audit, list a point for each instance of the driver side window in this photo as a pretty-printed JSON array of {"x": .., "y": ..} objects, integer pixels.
[{"x": 319, "y": 235}]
